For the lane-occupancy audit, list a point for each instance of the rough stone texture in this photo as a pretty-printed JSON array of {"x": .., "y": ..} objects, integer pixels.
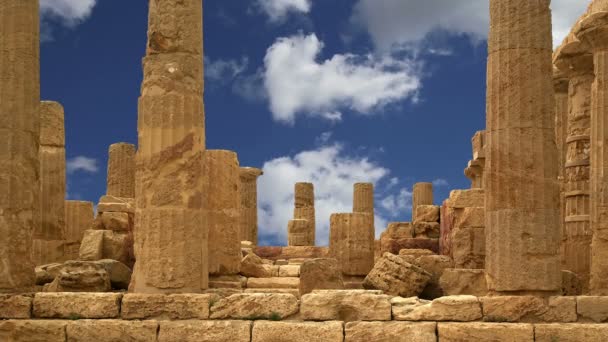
[
  {"x": 205, "y": 331},
  {"x": 116, "y": 204},
  {"x": 529, "y": 309},
  {"x": 345, "y": 305},
  {"x": 592, "y": 309},
  {"x": 398, "y": 230},
  {"x": 415, "y": 252},
  {"x": 451, "y": 308},
  {"x": 289, "y": 271},
  {"x": 115, "y": 221},
  {"x": 570, "y": 333},
  {"x": 77, "y": 305},
  {"x": 455, "y": 282},
  {"x": 264, "y": 331},
  {"x": 292, "y": 252},
  {"x": 249, "y": 203},
  {"x": 521, "y": 187},
  {"x": 91, "y": 247},
  {"x": 475, "y": 168},
  {"x": 390, "y": 332},
  {"x": 571, "y": 284},
  {"x": 299, "y": 233},
  {"x": 253, "y": 266},
  {"x": 395, "y": 276},
  {"x": 171, "y": 131},
  {"x": 118, "y": 246},
  {"x": 393, "y": 246},
  {"x": 111, "y": 331},
  {"x": 363, "y": 198},
  {"x": 435, "y": 265},
  {"x": 78, "y": 218},
  {"x": 274, "y": 282},
  {"x": 121, "y": 170},
  {"x": 320, "y": 274},
  {"x": 560, "y": 88},
  {"x": 44, "y": 251},
  {"x": 19, "y": 138},
  {"x": 427, "y": 213},
  {"x": 422, "y": 194},
  {"x": 32, "y": 331},
  {"x": 163, "y": 307},
  {"x": 15, "y": 306},
  {"x": 47, "y": 273},
  {"x": 351, "y": 242},
  {"x": 459, "y": 332},
  {"x": 426, "y": 229},
  {"x": 120, "y": 274},
  {"x": 304, "y": 196},
  {"x": 293, "y": 292},
  {"x": 254, "y": 306},
  {"x": 81, "y": 276}
]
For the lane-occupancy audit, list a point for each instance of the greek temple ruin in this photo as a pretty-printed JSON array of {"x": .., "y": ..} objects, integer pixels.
[{"x": 171, "y": 251}]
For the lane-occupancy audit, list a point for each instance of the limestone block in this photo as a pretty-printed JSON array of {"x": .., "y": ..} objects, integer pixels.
[
  {"x": 426, "y": 229},
  {"x": 227, "y": 281},
  {"x": 255, "y": 306},
  {"x": 81, "y": 276},
  {"x": 468, "y": 247},
  {"x": 116, "y": 204},
  {"x": 399, "y": 230},
  {"x": 166, "y": 307},
  {"x": 320, "y": 274},
  {"x": 435, "y": 265},
  {"x": 289, "y": 271},
  {"x": 224, "y": 244},
  {"x": 47, "y": 273},
  {"x": 455, "y": 282},
  {"x": 77, "y": 305},
  {"x": 249, "y": 203},
  {"x": 253, "y": 266},
  {"x": 47, "y": 251},
  {"x": 458, "y": 332},
  {"x": 222, "y": 292},
  {"x": 292, "y": 292},
  {"x": 121, "y": 170},
  {"x": 116, "y": 221},
  {"x": 529, "y": 309},
  {"x": 91, "y": 247},
  {"x": 592, "y": 309},
  {"x": 467, "y": 198},
  {"x": 78, "y": 218},
  {"x": 345, "y": 305},
  {"x": 118, "y": 246},
  {"x": 111, "y": 330},
  {"x": 291, "y": 252},
  {"x": 427, "y": 213},
  {"x": 32, "y": 331},
  {"x": 390, "y": 332},
  {"x": 415, "y": 252},
  {"x": 300, "y": 233},
  {"x": 451, "y": 308},
  {"x": 274, "y": 282},
  {"x": 15, "y": 306},
  {"x": 570, "y": 332},
  {"x": 395, "y": 245},
  {"x": 120, "y": 274},
  {"x": 351, "y": 242},
  {"x": 264, "y": 331},
  {"x": 393, "y": 275},
  {"x": 571, "y": 284},
  {"x": 470, "y": 217},
  {"x": 422, "y": 194},
  {"x": 205, "y": 331}
]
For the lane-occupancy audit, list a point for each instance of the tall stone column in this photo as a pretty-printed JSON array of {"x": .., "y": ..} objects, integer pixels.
[
  {"x": 249, "y": 204},
  {"x": 19, "y": 139},
  {"x": 49, "y": 235},
  {"x": 351, "y": 242},
  {"x": 170, "y": 236},
  {"x": 222, "y": 202},
  {"x": 299, "y": 233},
  {"x": 594, "y": 32},
  {"x": 305, "y": 206},
  {"x": 422, "y": 194},
  {"x": 78, "y": 218},
  {"x": 363, "y": 198},
  {"x": 521, "y": 188},
  {"x": 121, "y": 170},
  {"x": 576, "y": 62}
]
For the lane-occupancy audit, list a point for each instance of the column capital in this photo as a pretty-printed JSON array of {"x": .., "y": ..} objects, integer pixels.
[
  {"x": 594, "y": 31},
  {"x": 250, "y": 173}
]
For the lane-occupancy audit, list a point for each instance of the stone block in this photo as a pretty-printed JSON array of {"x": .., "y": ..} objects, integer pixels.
[
  {"x": 293, "y": 292},
  {"x": 166, "y": 307},
  {"x": 399, "y": 230},
  {"x": 116, "y": 221},
  {"x": 291, "y": 252},
  {"x": 264, "y": 331},
  {"x": 466, "y": 198},
  {"x": 111, "y": 331},
  {"x": 91, "y": 247},
  {"x": 345, "y": 305},
  {"x": 253, "y": 266},
  {"x": 32, "y": 331},
  {"x": 15, "y": 306},
  {"x": 460, "y": 332},
  {"x": 395, "y": 245},
  {"x": 116, "y": 204},
  {"x": 76, "y": 305},
  {"x": 274, "y": 282},
  {"x": 435, "y": 265},
  {"x": 120, "y": 274},
  {"x": 390, "y": 332},
  {"x": 253, "y": 306},
  {"x": 320, "y": 274},
  {"x": 289, "y": 271},
  {"x": 427, "y": 213},
  {"x": 80, "y": 276},
  {"x": 424, "y": 229},
  {"x": 471, "y": 217},
  {"x": 571, "y": 284},
  {"x": 227, "y": 281},
  {"x": 455, "y": 282},
  {"x": 395, "y": 276},
  {"x": 205, "y": 331},
  {"x": 47, "y": 273},
  {"x": 529, "y": 309},
  {"x": 570, "y": 332},
  {"x": 592, "y": 309},
  {"x": 450, "y": 308},
  {"x": 415, "y": 252}
]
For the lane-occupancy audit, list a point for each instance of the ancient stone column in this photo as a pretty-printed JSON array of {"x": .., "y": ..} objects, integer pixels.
[
  {"x": 299, "y": 233},
  {"x": 78, "y": 218},
  {"x": 305, "y": 205},
  {"x": 249, "y": 204},
  {"x": 422, "y": 194},
  {"x": 521, "y": 189},
  {"x": 121, "y": 170},
  {"x": 576, "y": 62},
  {"x": 594, "y": 32},
  {"x": 170, "y": 237},
  {"x": 363, "y": 198},
  {"x": 19, "y": 139},
  {"x": 222, "y": 203},
  {"x": 351, "y": 242},
  {"x": 475, "y": 167}
]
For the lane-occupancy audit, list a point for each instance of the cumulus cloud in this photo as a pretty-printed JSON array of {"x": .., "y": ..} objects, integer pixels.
[
  {"x": 440, "y": 182},
  {"x": 69, "y": 12},
  {"x": 278, "y": 10},
  {"x": 224, "y": 71},
  {"x": 82, "y": 163},
  {"x": 297, "y": 83}
]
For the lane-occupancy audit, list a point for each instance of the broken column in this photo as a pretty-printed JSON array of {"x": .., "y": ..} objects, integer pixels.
[
  {"x": 299, "y": 233},
  {"x": 78, "y": 218},
  {"x": 475, "y": 167},
  {"x": 422, "y": 194},
  {"x": 48, "y": 240},
  {"x": 304, "y": 194},
  {"x": 351, "y": 242},
  {"x": 521, "y": 189},
  {"x": 221, "y": 200},
  {"x": 575, "y": 61},
  {"x": 363, "y": 198},
  {"x": 170, "y": 237},
  {"x": 121, "y": 170},
  {"x": 19, "y": 139},
  {"x": 249, "y": 204}
]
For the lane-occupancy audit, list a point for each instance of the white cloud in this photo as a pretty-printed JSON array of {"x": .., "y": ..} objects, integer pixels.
[
  {"x": 69, "y": 12},
  {"x": 278, "y": 10},
  {"x": 399, "y": 23},
  {"x": 297, "y": 83},
  {"x": 440, "y": 182},
  {"x": 225, "y": 71},
  {"x": 82, "y": 163},
  {"x": 398, "y": 204}
]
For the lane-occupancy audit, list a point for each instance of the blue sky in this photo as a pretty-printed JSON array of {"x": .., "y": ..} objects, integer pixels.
[{"x": 329, "y": 91}]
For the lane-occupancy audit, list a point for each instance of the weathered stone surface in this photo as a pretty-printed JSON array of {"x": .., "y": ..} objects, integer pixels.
[
  {"x": 121, "y": 170},
  {"x": 351, "y": 242},
  {"x": 459, "y": 332},
  {"x": 398, "y": 230},
  {"x": 571, "y": 284},
  {"x": 77, "y": 305},
  {"x": 427, "y": 213},
  {"x": 255, "y": 306},
  {"x": 116, "y": 221},
  {"x": 390, "y": 332},
  {"x": 393, "y": 275},
  {"x": 320, "y": 274},
  {"x": 118, "y": 246},
  {"x": 109, "y": 203},
  {"x": 47, "y": 273},
  {"x": 289, "y": 271},
  {"x": 291, "y": 252},
  {"x": 426, "y": 229},
  {"x": 205, "y": 331},
  {"x": 78, "y": 218},
  {"x": 264, "y": 331},
  {"x": 91, "y": 247},
  {"x": 570, "y": 332},
  {"x": 228, "y": 281},
  {"x": 451, "y": 308},
  {"x": 415, "y": 252},
  {"x": 253, "y": 266},
  {"x": 345, "y": 305},
  {"x": 111, "y": 331},
  {"x": 455, "y": 282},
  {"x": 422, "y": 194},
  {"x": 395, "y": 245},
  {"x": 81, "y": 276},
  {"x": 304, "y": 207},
  {"x": 300, "y": 233},
  {"x": 363, "y": 198},
  {"x": 120, "y": 274},
  {"x": 293, "y": 292},
  {"x": 468, "y": 247},
  {"x": 47, "y": 251},
  {"x": 528, "y": 309},
  {"x": 15, "y": 306},
  {"x": 435, "y": 265},
  {"x": 162, "y": 307},
  {"x": 32, "y": 331},
  {"x": 249, "y": 203},
  {"x": 466, "y": 198},
  {"x": 592, "y": 309},
  {"x": 274, "y": 282}
]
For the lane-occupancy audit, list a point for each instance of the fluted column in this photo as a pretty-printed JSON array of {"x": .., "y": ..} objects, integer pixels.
[
  {"x": 249, "y": 203},
  {"x": 351, "y": 242},
  {"x": 121, "y": 170},
  {"x": 560, "y": 88},
  {"x": 363, "y": 198},
  {"x": 422, "y": 194},
  {"x": 304, "y": 194},
  {"x": 19, "y": 139},
  {"x": 521, "y": 188},
  {"x": 170, "y": 234}
]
